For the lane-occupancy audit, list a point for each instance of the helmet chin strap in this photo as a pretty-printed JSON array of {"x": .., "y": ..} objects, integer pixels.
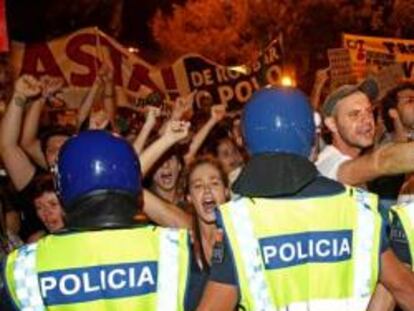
[
  {"x": 102, "y": 210},
  {"x": 279, "y": 169},
  {"x": 99, "y": 222}
]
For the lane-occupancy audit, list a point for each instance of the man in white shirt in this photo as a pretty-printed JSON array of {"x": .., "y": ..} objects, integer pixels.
[
  {"x": 349, "y": 118},
  {"x": 348, "y": 115},
  {"x": 329, "y": 161}
]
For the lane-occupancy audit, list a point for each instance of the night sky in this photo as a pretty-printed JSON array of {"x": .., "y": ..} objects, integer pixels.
[{"x": 37, "y": 20}]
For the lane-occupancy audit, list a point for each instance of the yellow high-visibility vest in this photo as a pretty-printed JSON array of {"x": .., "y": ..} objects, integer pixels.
[
  {"x": 142, "y": 268},
  {"x": 317, "y": 253}
]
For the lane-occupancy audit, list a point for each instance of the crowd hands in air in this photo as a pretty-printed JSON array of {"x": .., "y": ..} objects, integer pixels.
[
  {"x": 29, "y": 148},
  {"x": 189, "y": 163}
]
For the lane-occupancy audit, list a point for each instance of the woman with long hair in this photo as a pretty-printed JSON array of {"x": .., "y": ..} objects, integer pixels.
[{"x": 207, "y": 188}]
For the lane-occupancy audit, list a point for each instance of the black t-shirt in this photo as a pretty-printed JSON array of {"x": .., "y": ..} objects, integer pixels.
[
  {"x": 387, "y": 187},
  {"x": 24, "y": 201},
  {"x": 196, "y": 283}
]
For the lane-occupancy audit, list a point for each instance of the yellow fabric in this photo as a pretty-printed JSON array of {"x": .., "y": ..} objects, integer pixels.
[
  {"x": 405, "y": 213},
  {"x": 289, "y": 220},
  {"x": 87, "y": 250}
]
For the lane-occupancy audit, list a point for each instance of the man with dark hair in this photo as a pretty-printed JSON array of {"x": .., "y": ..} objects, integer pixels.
[
  {"x": 398, "y": 112},
  {"x": 103, "y": 260}
]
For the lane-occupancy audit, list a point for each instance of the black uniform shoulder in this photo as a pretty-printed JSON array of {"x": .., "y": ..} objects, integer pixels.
[
  {"x": 321, "y": 186},
  {"x": 398, "y": 240}
]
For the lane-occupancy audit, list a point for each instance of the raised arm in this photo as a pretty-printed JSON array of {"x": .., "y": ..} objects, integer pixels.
[
  {"x": 164, "y": 213},
  {"x": 182, "y": 107},
  {"x": 150, "y": 120},
  {"x": 109, "y": 97},
  {"x": 390, "y": 159},
  {"x": 174, "y": 132},
  {"x": 16, "y": 162},
  {"x": 217, "y": 114},
  {"x": 88, "y": 101},
  {"x": 29, "y": 141}
]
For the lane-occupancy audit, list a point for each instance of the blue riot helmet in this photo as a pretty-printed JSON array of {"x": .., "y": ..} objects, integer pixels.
[
  {"x": 95, "y": 162},
  {"x": 278, "y": 120}
]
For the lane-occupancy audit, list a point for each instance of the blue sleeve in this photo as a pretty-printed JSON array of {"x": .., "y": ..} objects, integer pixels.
[
  {"x": 385, "y": 227},
  {"x": 6, "y": 303},
  {"x": 399, "y": 242},
  {"x": 384, "y": 242},
  {"x": 222, "y": 263}
]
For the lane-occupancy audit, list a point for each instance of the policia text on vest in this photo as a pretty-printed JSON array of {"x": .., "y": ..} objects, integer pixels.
[
  {"x": 295, "y": 249},
  {"x": 99, "y": 282}
]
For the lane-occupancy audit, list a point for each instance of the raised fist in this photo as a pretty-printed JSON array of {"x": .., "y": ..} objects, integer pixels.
[
  {"x": 218, "y": 112},
  {"x": 51, "y": 85},
  {"x": 177, "y": 130},
  {"x": 28, "y": 87}
]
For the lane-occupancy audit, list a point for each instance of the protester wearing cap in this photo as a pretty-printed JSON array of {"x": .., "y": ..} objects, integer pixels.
[
  {"x": 348, "y": 115},
  {"x": 349, "y": 118}
]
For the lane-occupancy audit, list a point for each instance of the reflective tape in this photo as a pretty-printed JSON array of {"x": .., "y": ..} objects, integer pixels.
[
  {"x": 167, "y": 288},
  {"x": 25, "y": 277}
]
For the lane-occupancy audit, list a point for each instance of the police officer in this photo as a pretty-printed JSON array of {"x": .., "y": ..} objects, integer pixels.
[
  {"x": 102, "y": 261},
  {"x": 294, "y": 240}
]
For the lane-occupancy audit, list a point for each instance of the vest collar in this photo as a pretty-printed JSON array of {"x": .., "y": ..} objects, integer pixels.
[{"x": 274, "y": 175}]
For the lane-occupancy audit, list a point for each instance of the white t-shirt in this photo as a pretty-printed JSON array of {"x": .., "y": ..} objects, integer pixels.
[{"x": 329, "y": 160}]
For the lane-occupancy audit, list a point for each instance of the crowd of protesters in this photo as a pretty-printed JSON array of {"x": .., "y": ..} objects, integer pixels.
[{"x": 190, "y": 159}]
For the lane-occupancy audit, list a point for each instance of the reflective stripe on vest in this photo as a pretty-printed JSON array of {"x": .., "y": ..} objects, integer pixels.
[
  {"x": 25, "y": 276},
  {"x": 253, "y": 262},
  {"x": 410, "y": 211},
  {"x": 27, "y": 285},
  {"x": 365, "y": 236},
  {"x": 167, "y": 285},
  {"x": 251, "y": 255}
]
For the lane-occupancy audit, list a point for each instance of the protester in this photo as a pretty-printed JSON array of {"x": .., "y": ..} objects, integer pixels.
[
  {"x": 397, "y": 111},
  {"x": 48, "y": 208},
  {"x": 18, "y": 165},
  {"x": 230, "y": 157},
  {"x": 207, "y": 187},
  {"x": 348, "y": 115},
  {"x": 32, "y": 143},
  {"x": 398, "y": 118},
  {"x": 165, "y": 179}
]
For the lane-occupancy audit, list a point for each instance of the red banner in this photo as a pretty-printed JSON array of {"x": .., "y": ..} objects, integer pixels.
[{"x": 4, "y": 39}]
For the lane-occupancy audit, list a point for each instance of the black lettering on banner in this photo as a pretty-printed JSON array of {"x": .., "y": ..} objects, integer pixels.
[
  {"x": 232, "y": 85},
  {"x": 408, "y": 68}
]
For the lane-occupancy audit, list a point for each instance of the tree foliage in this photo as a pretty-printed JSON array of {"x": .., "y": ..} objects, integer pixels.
[
  {"x": 232, "y": 32},
  {"x": 402, "y": 19}
]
